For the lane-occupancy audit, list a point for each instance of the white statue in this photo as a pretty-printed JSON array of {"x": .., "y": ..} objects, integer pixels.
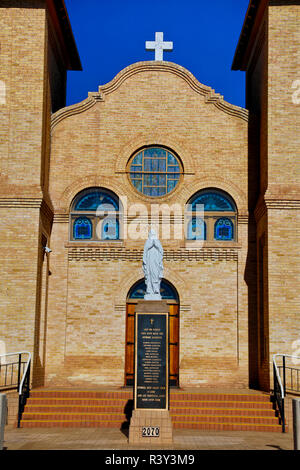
[{"x": 153, "y": 266}]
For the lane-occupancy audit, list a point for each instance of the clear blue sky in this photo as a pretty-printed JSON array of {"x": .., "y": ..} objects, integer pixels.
[{"x": 111, "y": 34}]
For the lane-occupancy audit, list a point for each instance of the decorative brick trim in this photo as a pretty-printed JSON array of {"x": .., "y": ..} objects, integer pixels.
[
  {"x": 264, "y": 205},
  {"x": 135, "y": 255}
]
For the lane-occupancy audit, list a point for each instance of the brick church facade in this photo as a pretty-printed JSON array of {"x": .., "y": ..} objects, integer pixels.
[{"x": 89, "y": 179}]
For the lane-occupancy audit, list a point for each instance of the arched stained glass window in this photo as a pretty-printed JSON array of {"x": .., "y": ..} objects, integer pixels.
[
  {"x": 212, "y": 201},
  {"x": 154, "y": 171},
  {"x": 96, "y": 200},
  {"x": 196, "y": 229},
  {"x": 82, "y": 228},
  {"x": 167, "y": 291},
  {"x": 211, "y": 216},
  {"x": 95, "y": 215},
  {"x": 224, "y": 229}
]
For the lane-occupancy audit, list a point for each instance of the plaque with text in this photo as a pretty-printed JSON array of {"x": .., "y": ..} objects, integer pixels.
[{"x": 151, "y": 361}]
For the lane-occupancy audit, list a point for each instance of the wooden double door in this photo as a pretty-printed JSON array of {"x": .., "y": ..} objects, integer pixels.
[{"x": 173, "y": 345}]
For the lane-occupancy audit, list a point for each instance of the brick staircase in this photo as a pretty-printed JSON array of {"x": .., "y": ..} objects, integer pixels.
[{"x": 206, "y": 411}]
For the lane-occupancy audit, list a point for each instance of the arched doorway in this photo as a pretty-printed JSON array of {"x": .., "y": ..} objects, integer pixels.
[{"x": 169, "y": 293}]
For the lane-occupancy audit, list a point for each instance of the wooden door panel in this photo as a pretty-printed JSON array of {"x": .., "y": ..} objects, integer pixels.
[
  {"x": 129, "y": 354},
  {"x": 173, "y": 345}
]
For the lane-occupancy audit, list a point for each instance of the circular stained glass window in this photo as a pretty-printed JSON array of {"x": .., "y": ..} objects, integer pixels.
[{"x": 154, "y": 171}]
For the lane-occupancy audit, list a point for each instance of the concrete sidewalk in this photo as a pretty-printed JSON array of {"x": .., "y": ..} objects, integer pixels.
[{"x": 115, "y": 439}]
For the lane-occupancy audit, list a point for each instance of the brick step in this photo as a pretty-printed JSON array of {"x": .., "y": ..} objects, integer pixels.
[
  {"x": 191, "y": 397},
  {"x": 84, "y": 394},
  {"x": 173, "y": 403},
  {"x": 86, "y": 408},
  {"x": 69, "y": 423},
  {"x": 54, "y": 416},
  {"x": 224, "y": 419},
  {"x": 220, "y": 403},
  {"x": 77, "y": 401},
  {"x": 176, "y": 396},
  {"x": 212, "y": 426},
  {"x": 223, "y": 411}
]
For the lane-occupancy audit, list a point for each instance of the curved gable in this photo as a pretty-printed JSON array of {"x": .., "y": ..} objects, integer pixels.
[{"x": 152, "y": 67}]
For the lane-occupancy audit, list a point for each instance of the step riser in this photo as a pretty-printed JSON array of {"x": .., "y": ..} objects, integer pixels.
[
  {"x": 120, "y": 418},
  {"x": 182, "y": 411}
]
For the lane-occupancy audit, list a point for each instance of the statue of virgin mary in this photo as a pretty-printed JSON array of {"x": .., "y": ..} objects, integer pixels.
[{"x": 153, "y": 266}]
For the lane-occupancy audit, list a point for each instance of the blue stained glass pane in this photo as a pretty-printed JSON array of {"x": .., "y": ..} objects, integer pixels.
[
  {"x": 110, "y": 229},
  {"x": 162, "y": 165},
  {"x": 136, "y": 176},
  {"x": 155, "y": 179},
  {"x": 224, "y": 229},
  {"x": 196, "y": 229},
  {"x": 173, "y": 169},
  {"x": 147, "y": 164},
  {"x": 97, "y": 200},
  {"x": 171, "y": 185},
  {"x": 138, "y": 159},
  {"x": 161, "y": 191},
  {"x": 212, "y": 202},
  {"x": 136, "y": 168},
  {"x": 171, "y": 159},
  {"x": 82, "y": 229},
  {"x": 154, "y": 152},
  {"x": 148, "y": 180},
  {"x": 162, "y": 180},
  {"x": 155, "y": 165},
  {"x": 166, "y": 291},
  {"x": 138, "y": 184}
]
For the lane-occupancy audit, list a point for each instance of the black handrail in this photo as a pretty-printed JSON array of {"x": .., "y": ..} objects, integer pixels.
[
  {"x": 282, "y": 385},
  {"x": 18, "y": 378},
  {"x": 279, "y": 397},
  {"x": 24, "y": 392}
]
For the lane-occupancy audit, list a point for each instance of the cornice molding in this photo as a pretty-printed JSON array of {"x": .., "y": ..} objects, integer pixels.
[
  {"x": 74, "y": 109},
  {"x": 264, "y": 205}
]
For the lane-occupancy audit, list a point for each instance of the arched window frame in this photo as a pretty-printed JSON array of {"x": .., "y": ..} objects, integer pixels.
[
  {"x": 159, "y": 181},
  {"x": 98, "y": 214},
  {"x": 211, "y": 213},
  {"x": 168, "y": 291}
]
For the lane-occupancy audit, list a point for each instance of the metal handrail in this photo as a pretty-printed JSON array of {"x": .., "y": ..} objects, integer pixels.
[
  {"x": 23, "y": 395},
  {"x": 20, "y": 386},
  {"x": 282, "y": 386},
  {"x": 277, "y": 374}
]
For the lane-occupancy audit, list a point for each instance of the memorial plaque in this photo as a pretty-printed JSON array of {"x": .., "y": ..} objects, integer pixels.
[{"x": 151, "y": 361}]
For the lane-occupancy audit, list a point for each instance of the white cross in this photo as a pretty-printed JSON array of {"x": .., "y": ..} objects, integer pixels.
[{"x": 159, "y": 46}]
